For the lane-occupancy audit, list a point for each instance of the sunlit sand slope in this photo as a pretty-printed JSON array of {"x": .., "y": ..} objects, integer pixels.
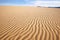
[{"x": 29, "y": 23}]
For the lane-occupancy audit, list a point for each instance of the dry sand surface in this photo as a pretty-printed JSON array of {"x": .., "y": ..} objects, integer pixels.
[{"x": 29, "y": 23}]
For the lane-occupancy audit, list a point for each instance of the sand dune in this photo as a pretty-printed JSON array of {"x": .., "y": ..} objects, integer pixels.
[{"x": 29, "y": 23}]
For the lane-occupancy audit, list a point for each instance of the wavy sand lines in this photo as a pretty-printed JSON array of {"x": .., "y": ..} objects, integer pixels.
[{"x": 30, "y": 24}]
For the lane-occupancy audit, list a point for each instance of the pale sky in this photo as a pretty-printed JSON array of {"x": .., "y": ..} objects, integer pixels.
[{"x": 31, "y": 2}]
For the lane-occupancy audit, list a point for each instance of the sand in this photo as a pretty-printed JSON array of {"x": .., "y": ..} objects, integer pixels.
[{"x": 29, "y": 23}]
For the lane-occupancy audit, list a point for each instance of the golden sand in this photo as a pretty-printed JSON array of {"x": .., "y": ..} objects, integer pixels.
[{"x": 29, "y": 23}]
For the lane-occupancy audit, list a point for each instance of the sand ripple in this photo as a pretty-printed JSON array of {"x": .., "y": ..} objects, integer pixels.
[{"x": 36, "y": 27}]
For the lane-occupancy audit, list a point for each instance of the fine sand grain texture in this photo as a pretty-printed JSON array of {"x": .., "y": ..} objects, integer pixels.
[{"x": 29, "y": 23}]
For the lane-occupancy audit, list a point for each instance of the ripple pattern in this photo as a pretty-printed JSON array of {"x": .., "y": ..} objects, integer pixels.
[{"x": 42, "y": 27}]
